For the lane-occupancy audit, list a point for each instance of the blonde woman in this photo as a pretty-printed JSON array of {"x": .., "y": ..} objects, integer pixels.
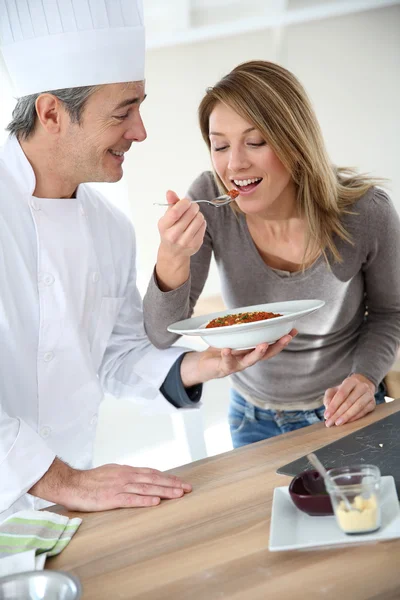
[{"x": 300, "y": 228}]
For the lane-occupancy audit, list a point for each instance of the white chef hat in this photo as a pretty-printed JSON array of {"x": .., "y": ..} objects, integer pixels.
[{"x": 54, "y": 44}]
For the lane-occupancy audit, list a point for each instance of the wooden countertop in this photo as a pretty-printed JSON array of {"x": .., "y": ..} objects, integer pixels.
[{"x": 213, "y": 543}]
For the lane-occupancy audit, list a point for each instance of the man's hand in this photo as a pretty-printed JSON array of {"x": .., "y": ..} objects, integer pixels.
[
  {"x": 349, "y": 401},
  {"x": 199, "y": 367},
  {"x": 106, "y": 487}
]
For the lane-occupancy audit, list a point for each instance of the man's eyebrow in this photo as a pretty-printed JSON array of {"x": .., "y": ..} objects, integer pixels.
[
  {"x": 129, "y": 101},
  {"x": 246, "y": 131}
]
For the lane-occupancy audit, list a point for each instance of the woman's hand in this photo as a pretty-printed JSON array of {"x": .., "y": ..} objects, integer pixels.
[
  {"x": 213, "y": 363},
  {"x": 349, "y": 401},
  {"x": 182, "y": 230},
  {"x": 182, "y": 227}
]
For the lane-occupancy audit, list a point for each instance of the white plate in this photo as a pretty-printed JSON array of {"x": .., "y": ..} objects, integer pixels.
[
  {"x": 291, "y": 529},
  {"x": 248, "y": 335}
]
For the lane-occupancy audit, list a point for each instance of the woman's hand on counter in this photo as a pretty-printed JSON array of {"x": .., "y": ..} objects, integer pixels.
[
  {"x": 351, "y": 400},
  {"x": 213, "y": 363},
  {"x": 106, "y": 487}
]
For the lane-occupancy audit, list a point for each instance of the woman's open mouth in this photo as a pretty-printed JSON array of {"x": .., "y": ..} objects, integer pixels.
[{"x": 246, "y": 186}]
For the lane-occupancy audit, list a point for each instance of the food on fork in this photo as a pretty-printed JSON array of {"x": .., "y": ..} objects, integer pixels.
[
  {"x": 239, "y": 318},
  {"x": 233, "y": 194}
]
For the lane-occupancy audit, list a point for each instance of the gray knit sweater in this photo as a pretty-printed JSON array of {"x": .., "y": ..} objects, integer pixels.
[{"x": 334, "y": 341}]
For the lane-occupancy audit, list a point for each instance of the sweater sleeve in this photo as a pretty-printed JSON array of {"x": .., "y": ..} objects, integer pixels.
[
  {"x": 160, "y": 309},
  {"x": 380, "y": 335},
  {"x": 175, "y": 392}
]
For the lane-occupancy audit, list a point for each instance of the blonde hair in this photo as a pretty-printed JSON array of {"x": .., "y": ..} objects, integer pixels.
[{"x": 274, "y": 101}]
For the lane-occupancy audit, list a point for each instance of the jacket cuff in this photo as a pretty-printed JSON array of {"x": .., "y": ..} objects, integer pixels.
[
  {"x": 174, "y": 391},
  {"x": 26, "y": 462}
]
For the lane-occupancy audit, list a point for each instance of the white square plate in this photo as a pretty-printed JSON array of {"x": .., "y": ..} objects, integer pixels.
[{"x": 291, "y": 529}]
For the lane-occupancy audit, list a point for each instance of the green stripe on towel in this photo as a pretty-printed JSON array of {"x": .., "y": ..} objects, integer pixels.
[{"x": 44, "y": 532}]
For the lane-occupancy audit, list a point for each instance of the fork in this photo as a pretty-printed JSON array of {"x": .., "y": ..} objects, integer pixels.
[{"x": 217, "y": 202}]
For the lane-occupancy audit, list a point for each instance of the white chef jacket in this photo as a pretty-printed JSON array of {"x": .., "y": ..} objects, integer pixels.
[{"x": 70, "y": 326}]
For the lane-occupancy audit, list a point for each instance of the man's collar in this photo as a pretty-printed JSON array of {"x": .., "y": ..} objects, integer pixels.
[{"x": 14, "y": 158}]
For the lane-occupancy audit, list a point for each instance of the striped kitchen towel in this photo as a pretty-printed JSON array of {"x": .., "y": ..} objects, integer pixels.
[{"x": 32, "y": 532}]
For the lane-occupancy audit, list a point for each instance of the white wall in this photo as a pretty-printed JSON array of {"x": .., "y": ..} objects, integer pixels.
[{"x": 350, "y": 67}]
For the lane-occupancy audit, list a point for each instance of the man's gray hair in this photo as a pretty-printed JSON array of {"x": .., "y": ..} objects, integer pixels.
[{"x": 24, "y": 114}]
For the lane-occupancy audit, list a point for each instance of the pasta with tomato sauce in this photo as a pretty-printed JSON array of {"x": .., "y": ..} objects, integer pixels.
[{"x": 245, "y": 317}]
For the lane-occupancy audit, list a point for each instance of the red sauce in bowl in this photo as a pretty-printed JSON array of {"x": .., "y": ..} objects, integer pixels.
[{"x": 245, "y": 317}]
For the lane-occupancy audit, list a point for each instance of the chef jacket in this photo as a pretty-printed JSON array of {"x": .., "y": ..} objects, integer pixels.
[{"x": 70, "y": 327}]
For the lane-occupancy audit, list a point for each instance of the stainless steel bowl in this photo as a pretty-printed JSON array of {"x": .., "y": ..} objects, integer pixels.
[{"x": 40, "y": 585}]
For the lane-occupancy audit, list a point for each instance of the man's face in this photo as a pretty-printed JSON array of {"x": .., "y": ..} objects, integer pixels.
[{"x": 93, "y": 150}]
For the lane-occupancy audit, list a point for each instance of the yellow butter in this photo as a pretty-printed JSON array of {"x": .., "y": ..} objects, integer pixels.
[{"x": 365, "y": 518}]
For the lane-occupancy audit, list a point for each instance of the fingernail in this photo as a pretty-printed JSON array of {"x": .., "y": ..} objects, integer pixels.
[
  {"x": 328, "y": 423},
  {"x": 326, "y": 415},
  {"x": 339, "y": 421},
  {"x": 187, "y": 487},
  {"x": 178, "y": 492}
]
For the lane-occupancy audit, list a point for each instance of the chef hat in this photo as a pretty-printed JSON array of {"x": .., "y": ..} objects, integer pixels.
[{"x": 54, "y": 44}]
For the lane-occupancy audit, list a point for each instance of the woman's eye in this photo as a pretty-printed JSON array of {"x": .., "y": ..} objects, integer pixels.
[
  {"x": 122, "y": 117},
  {"x": 257, "y": 145},
  {"x": 220, "y": 148}
]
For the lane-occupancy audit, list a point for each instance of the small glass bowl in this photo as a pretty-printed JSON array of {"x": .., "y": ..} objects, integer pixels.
[{"x": 360, "y": 484}]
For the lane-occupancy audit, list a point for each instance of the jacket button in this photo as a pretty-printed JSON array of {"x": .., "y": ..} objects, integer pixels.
[
  {"x": 48, "y": 279},
  {"x": 93, "y": 420},
  {"x": 48, "y": 356},
  {"x": 35, "y": 205},
  {"x": 95, "y": 277},
  {"x": 45, "y": 431}
]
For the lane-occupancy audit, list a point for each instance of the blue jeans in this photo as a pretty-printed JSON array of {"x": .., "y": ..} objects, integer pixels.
[{"x": 249, "y": 424}]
